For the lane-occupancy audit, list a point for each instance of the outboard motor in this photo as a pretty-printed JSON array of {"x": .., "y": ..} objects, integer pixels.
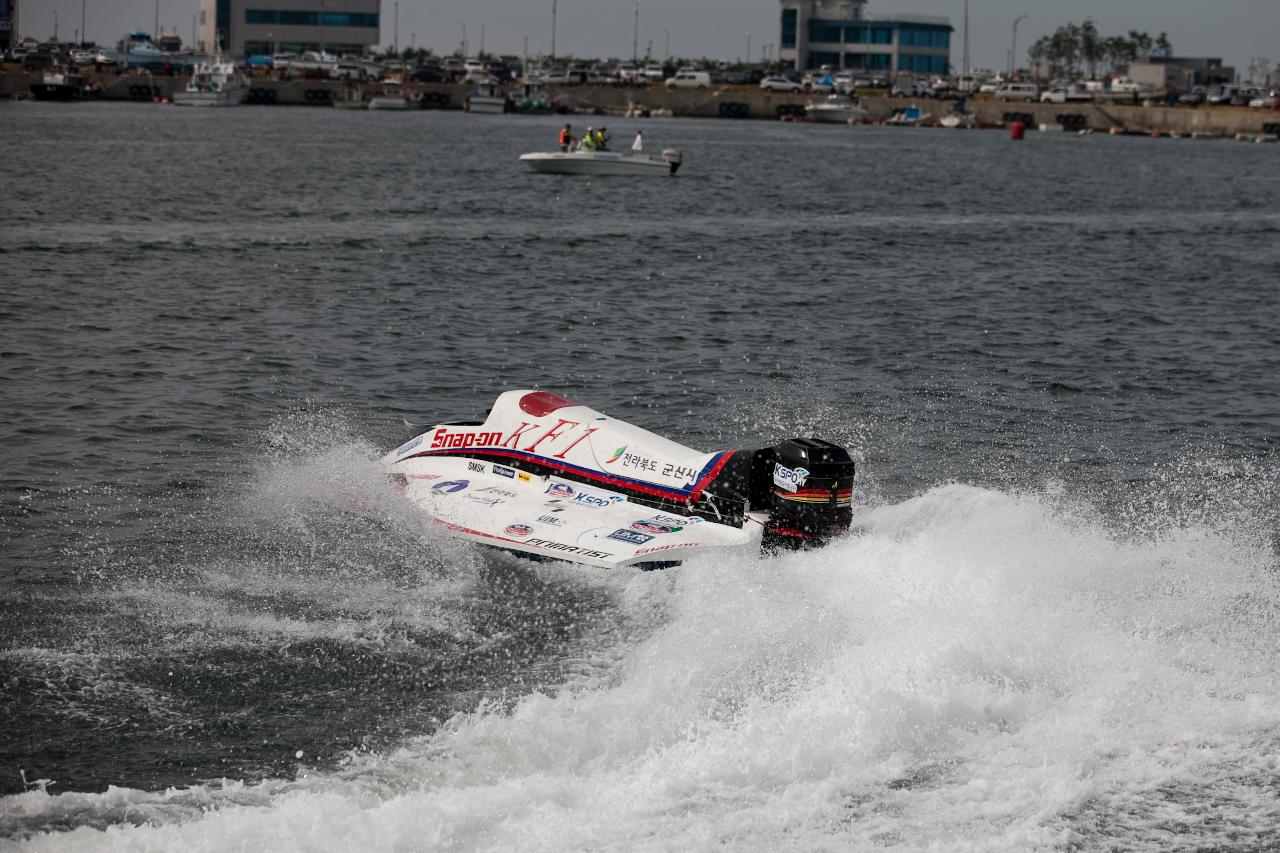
[
  {"x": 809, "y": 485},
  {"x": 673, "y": 157}
]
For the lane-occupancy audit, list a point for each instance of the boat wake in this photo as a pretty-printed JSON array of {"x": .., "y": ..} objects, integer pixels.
[{"x": 970, "y": 668}]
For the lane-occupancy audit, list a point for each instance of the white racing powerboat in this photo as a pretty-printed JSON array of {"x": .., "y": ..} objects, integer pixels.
[
  {"x": 548, "y": 478},
  {"x": 602, "y": 162}
]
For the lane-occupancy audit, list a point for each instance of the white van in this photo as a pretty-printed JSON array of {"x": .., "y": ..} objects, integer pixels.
[
  {"x": 1018, "y": 92},
  {"x": 689, "y": 80}
]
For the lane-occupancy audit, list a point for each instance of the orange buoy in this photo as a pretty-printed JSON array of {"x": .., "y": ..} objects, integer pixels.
[{"x": 1017, "y": 130}]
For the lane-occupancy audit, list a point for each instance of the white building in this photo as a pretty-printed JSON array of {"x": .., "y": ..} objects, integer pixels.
[
  {"x": 263, "y": 27},
  {"x": 839, "y": 33}
]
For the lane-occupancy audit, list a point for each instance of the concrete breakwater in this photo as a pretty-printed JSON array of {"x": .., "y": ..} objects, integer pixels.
[{"x": 730, "y": 102}]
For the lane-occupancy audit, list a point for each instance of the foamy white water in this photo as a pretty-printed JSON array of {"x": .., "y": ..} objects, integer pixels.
[{"x": 974, "y": 670}]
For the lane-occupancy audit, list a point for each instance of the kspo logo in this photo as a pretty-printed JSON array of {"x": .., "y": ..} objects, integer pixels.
[
  {"x": 527, "y": 437},
  {"x": 789, "y": 479},
  {"x": 588, "y": 499}
]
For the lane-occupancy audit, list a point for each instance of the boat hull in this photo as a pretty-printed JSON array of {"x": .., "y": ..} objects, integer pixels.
[
  {"x": 554, "y": 518},
  {"x": 486, "y": 104},
  {"x": 388, "y": 102},
  {"x": 596, "y": 163},
  {"x": 207, "y": 99},
  {"x": 829, "y": 115},
  {"x": 56, "y": 92}
]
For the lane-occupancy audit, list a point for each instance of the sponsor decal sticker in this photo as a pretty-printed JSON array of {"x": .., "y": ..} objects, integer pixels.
[
  {"x": 596, "y": 501},
  {"x": 504, "y": 471},
  {"x": 442, "y": 439},
  {"x": 630, "y": 537},
  {"x": 568, "y": 549},
  {"x": 494, "y": 490},
  {"x": 521, "y": 530},
  {"x": 655, "y": 548},
  {"x": 422, "y": 477},
  {"x": 617, "y": 454},
  {"x": 560, "y": 490},
  {"x": 654, "y": 527},
  {"x": 524, "y": 478},
  {"x": 677, "y": 521},
  {"x": 679, "y": 472},
  {"x": 450, "y": 486},
  {"x": 552, "y": 520},
  {"x": 409, "y": 445},
  {"x": 789, "y": 479},
  {"x": 478, "y": 467},
  {"x": 484, "y": 501}
]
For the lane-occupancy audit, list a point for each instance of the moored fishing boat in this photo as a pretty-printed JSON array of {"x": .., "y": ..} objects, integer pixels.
[
  {"x": 58, "y": 84},
  {"x": 214, "y": 84}
]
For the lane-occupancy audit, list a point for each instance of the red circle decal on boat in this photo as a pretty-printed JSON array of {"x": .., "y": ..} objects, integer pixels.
[{"x": 539, "y": 403}]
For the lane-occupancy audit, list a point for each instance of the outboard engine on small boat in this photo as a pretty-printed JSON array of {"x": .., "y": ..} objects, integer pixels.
[
  {"x": 808, "y": 485},
  {"x": 673, "y": 157}
]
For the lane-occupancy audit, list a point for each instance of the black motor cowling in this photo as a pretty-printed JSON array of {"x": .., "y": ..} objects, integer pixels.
[{"x": 808, "y": 485}]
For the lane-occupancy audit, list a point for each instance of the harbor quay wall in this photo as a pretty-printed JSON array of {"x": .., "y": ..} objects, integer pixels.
[
  {"x": 729, "y": 102},
  {"x": 749, "y": 102}
]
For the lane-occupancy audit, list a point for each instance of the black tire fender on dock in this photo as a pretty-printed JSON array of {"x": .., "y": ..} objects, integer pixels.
[{"x": 270, "y": 95}]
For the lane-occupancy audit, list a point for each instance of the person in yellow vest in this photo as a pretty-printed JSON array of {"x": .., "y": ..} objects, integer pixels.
[
  {"x": 602, "y": 139},
  {"x": 589, "y": 140}
]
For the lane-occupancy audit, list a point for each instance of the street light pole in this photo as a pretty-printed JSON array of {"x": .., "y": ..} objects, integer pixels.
[
  {"x": 748, "y": 48},
  {"x": 635, "y": 37},
  {"x": 84, "y": 35},
  {"x": 464, "y": 39},
  {"x": 1013, "y": 46},
  {"x": 553, "y": 30},
  {"x": 666, "y": 50}
]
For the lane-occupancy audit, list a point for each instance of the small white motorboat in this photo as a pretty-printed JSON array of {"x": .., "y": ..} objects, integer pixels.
[
  {"x": 391, "y": 98},
  {"x": 486, "y": 97},
  {"x": 836, "y": 109},
  {"x": 602, "y": 162}
]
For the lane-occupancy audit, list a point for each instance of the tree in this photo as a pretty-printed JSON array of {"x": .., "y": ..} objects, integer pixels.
[
  {"x": 1091, "y": 46},
  {"x": 1038, "y": 53},
  {"x": 1163, "y": 46},
  {"x": 1141, "y": 45}
]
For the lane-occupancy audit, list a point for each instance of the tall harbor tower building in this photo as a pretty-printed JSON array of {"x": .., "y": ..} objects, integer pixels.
[
  {"x": 839, "y": 33},
  {"x": 262, "y": 27}
]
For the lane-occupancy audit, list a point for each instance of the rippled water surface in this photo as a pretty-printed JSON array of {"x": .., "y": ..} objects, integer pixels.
[{"x": 1056, "y": 626}]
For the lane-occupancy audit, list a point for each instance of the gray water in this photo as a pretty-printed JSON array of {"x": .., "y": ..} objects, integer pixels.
[{"x": 1055, "y": 362}]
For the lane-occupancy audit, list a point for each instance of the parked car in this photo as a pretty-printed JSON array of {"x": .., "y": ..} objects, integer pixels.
[
  {"x": 1266, "y": 101},
  {"x": 820, "y": 85},
  {"x": 689, "y": 80},
  {"x": 780, "y": 84},
  {"x": 654, "y": 72},
  {"x": 1124, "y": 86},
  {"x": 1064, "y": 94},
  {"x": 429, "y": 74},
  {"x": 1018, "y": 92},
  {"x": 348, "y": 70}
]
